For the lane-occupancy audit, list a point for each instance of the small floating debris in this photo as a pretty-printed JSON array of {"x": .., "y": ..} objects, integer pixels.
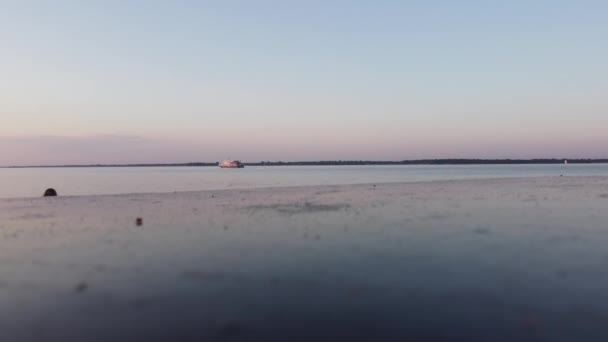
[
  {"x": 139, "y": 221},
  {"x": 81, "y": 287},
  {"x": 50, "y": 192}
]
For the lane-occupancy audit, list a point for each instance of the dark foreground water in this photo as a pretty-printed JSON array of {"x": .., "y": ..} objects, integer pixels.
[
  {"x": 94, "y": 181},
  {"x": 485, "y": 260}
]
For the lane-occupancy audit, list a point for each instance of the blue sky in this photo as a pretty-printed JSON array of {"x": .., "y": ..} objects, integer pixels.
[{"x": 172, "y": 81}]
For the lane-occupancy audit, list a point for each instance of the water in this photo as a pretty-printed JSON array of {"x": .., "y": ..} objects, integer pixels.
[
  {"x": 93, "y": 181},
  {"x": 494, "y": 261}
]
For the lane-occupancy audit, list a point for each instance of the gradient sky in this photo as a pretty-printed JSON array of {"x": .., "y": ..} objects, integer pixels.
[{"x": 177, "y": 81}]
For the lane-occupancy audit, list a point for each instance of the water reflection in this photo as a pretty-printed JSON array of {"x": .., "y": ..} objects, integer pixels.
[
  {"x": 120, "y": 180},
  {"x": 389, "y": 263}
]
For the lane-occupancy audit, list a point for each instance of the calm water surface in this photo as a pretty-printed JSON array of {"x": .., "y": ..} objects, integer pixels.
[
  {"x": 91, "y": 181},
  {"x": 501, "y": 261}
]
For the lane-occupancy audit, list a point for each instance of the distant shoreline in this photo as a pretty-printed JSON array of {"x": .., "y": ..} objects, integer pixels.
[{"x": 343, "y": 163}]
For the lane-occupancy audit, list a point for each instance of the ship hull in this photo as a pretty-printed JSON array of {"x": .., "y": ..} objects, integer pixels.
[{"x": 232, "y": 167}]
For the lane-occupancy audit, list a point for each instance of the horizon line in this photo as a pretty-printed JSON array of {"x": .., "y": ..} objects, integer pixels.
[{"x": 437, "y": 161}]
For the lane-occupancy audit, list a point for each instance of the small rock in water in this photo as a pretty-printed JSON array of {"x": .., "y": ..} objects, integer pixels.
[
  {"x": 481, "y": 231},
  {"x": 50, "y": 192},
  {"x": 139, "y": 221},
  {"x": 81, "y": 287}
]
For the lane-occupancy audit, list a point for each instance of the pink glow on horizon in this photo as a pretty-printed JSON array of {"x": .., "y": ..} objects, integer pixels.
[{"x": 54, "y": 150}]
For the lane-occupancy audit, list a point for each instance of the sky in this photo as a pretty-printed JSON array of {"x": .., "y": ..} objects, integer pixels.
[{"x": 180, "y": 81}]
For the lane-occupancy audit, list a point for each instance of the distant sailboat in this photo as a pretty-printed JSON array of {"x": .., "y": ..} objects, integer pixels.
[{"x": 565, "y": 161}]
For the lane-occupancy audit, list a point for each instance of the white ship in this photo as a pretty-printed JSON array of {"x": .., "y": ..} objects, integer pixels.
[{"x": 231, "y": 164}]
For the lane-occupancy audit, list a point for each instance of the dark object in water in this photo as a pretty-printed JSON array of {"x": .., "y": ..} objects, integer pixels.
[
  {"x": 81, "y": 287},
  {"x": 50, "y": 192},
  {"x": 139, "y": 221}
]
